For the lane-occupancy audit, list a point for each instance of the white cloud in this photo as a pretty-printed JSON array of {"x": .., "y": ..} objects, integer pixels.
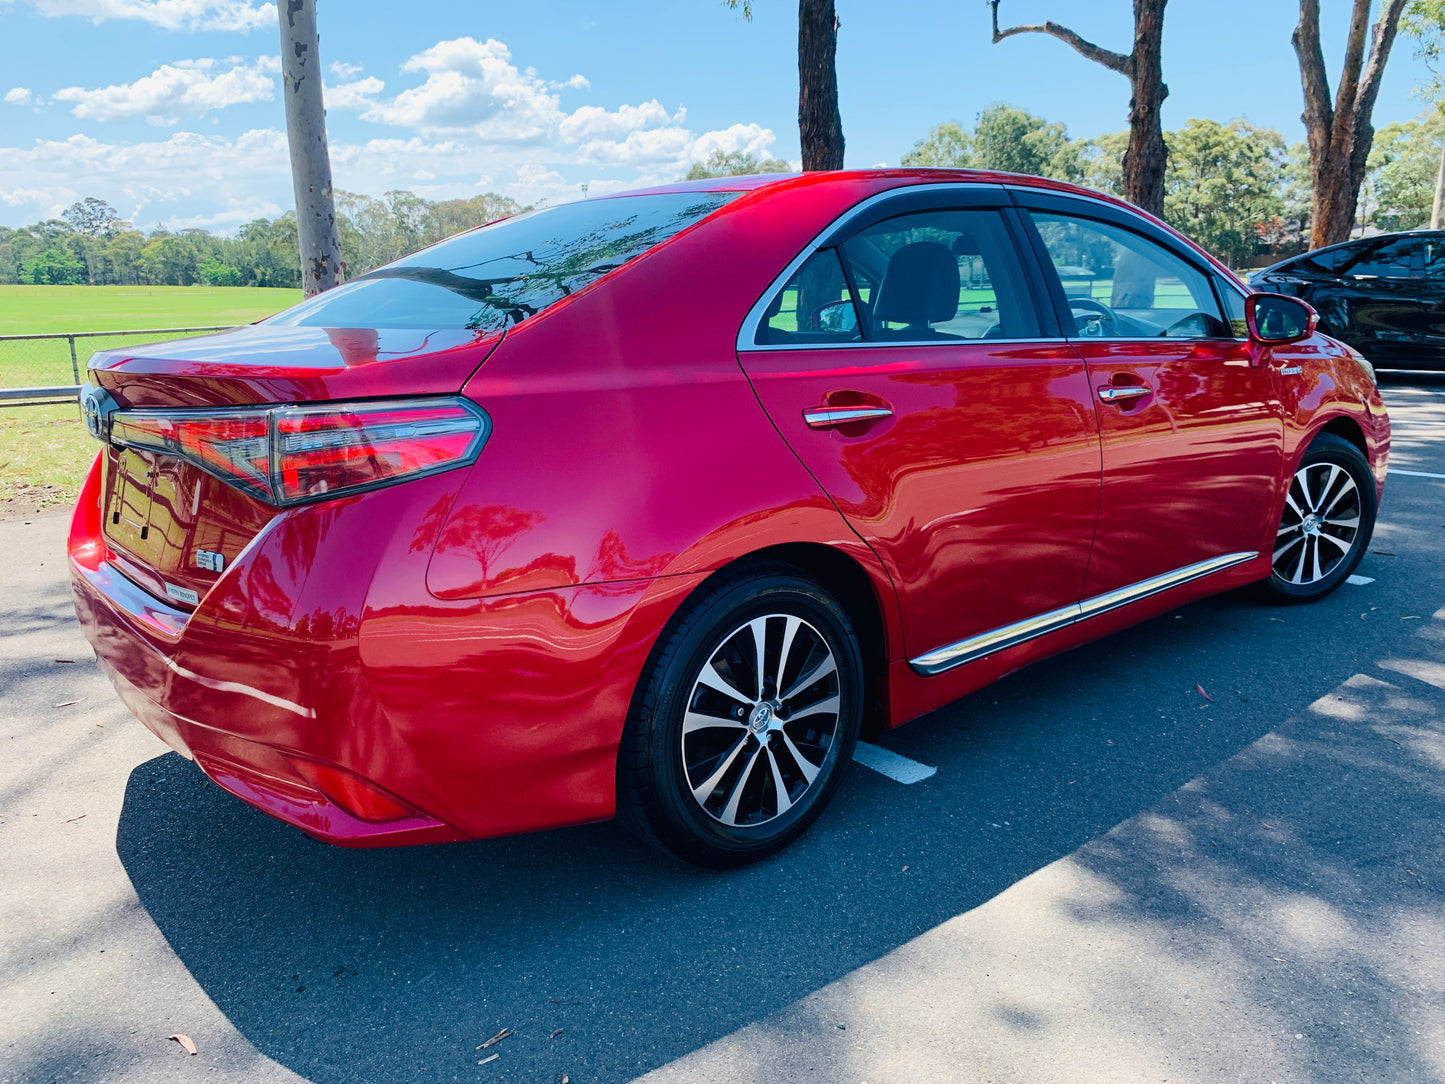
[
  {"x": 343, "y": 70},
  {"x": 19, "y": 96},
  {"x": 167, "y": 14},
  {"x": 594, "y": 122},
  {"x": 355, "y": 96},
  {"x": 472, "y": 122},
  {"x": 186, "y": 88}
]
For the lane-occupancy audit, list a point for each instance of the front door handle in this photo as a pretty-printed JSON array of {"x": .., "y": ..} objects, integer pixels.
[
  {"x": 1114, "y": 393},
  {"x": 832, "y": 417}
]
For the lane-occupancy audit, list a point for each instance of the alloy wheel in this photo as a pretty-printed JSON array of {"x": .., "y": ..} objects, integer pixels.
[
  {"x": 760, "y": 719},
  {"x": 1321, "y": 522}
]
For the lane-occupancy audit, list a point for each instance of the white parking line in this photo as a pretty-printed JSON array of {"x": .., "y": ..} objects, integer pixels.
[
  {"x": 891, "y": 764},
  {"x": 1360, "y": 581},
  {"x": 1415, "y": 473}
]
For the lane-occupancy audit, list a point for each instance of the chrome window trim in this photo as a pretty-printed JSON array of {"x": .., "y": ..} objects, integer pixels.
[
  {"x": 748, "y": 333},
  {"x": 1006, "y": 636}
]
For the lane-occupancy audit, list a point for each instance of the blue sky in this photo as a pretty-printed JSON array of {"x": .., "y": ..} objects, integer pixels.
[{"x": 169, "y": 108}]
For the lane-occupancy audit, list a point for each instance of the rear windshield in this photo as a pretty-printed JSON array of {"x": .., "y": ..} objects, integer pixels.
[{"x": 491, "y": 278}]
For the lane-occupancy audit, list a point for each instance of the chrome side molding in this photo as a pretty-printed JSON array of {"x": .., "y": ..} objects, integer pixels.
[{"x": 986, "y": 643}]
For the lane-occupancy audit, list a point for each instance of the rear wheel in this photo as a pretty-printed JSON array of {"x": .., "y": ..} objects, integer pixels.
[
  {"x": 743, "y": 722},
  {"x": 1328, "y": 518}
]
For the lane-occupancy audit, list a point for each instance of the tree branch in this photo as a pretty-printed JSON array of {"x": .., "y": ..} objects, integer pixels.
[
  {"x": 1347, "y": 97},
  {"x": 1118, "y": 62},
  {"x": 1318, "y": 115},
  {"x": 1382, "y": 37}
]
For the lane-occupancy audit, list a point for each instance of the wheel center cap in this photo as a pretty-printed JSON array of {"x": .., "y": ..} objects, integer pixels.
[
  {"x": 761, "y": 718},
  {"x": 1312, "y": 524}
]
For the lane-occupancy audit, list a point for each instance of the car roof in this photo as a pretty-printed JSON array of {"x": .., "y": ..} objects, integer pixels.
[
  {"x": 902, "y": 176},
  {"x": 1384, "y": 235}
]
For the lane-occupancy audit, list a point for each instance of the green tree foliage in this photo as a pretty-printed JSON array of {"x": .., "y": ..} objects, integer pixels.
[
  {"x": 377, "y": 231},
  {"x": 1222, "y": 184},
  {"x": 53, "y": 267},
  {"x": 722, "y": 163},
  {"x": 91, "y": 244},
  {"x": 1403, "y": 166},
  {"x": 1006, "y": 139}
]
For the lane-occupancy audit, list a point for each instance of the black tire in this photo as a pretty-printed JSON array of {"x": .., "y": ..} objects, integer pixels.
[
  {"x": 730, "y": 740},
  {"x": 1326, "y": 525}
]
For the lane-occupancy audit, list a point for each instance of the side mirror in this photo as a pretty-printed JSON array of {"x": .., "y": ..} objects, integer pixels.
[
  {"x": 839, "y": 316},
  {"x": 1278, "y": 319}
]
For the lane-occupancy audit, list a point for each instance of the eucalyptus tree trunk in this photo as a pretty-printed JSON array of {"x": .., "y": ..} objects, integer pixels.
[
  {"x": 1340, "y": 133},
  {"x": 1147, "y": 156},
  {"x": 310, "y": 161},
  {"x": 820, "y": 125},
  {"x": 1439, "y": 203}
]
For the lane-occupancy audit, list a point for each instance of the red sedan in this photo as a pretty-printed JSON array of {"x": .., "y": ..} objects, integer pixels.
[{"x": 648, "y": 505}]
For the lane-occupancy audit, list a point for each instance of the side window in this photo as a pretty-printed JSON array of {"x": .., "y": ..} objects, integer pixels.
[
  {"x": 1234, "y": 310},
  {"x": 1389, "y": 259},
  {"x": 1120, "y": 285},
  {"x": 1435, "y": 259},
  {"x": 815, "y": 306},
  {"x": 939, "y": 276},
  {"x": 1326, "y": 261}
]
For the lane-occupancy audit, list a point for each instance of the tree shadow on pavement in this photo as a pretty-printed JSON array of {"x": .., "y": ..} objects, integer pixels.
[{"x": 396, "y": 964}]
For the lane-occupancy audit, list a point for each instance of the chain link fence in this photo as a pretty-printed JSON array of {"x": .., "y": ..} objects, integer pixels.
[{"x": 50, "y": 368}]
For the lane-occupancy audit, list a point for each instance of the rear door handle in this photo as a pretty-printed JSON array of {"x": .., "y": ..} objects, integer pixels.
[
  {"x": 832, "y": 417},
  {"x": 1113, "y": 393}
]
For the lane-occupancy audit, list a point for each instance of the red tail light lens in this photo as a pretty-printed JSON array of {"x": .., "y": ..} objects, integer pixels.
[{"x": 293, "y": 454}]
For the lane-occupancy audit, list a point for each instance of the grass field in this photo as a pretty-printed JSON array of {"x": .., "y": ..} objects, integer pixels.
[
  {"x": 34, "y": 310},
  {"x": 44, "y": 450}
]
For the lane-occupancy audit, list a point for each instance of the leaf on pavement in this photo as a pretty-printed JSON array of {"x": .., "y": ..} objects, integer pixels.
[
  {"x": 498, "y": 1037},
  {"x": 187, "y": 1043},
  {"x": 555, "y": 1034},
  {"x": 1200, "y": 690}
]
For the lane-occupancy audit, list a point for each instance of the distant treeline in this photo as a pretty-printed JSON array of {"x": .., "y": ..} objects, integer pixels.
[{"x": 90, "y": 244}]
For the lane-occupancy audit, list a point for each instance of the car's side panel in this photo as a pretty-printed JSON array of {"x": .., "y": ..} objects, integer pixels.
[{"x": 981, "y": 489}]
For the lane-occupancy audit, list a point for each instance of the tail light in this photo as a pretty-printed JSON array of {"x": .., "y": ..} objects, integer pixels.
[{"x": 292, "y": 454}]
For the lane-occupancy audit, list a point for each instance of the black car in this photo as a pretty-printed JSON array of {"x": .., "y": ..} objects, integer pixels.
[{"x": 1383, "y": 295}]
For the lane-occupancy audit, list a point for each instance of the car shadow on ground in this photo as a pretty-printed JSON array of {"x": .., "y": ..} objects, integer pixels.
[{"x": 396, "y": 964}]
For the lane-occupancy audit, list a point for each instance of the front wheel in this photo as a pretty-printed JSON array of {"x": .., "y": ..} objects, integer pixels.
[
  {"x": 1329, "y": 516},
  {"x": 743, "y": 721}
]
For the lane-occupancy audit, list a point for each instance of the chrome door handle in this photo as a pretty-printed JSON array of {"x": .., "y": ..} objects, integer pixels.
[
  {"x": 1113, "y": 393},
  {"x": 831, "y": 417}
]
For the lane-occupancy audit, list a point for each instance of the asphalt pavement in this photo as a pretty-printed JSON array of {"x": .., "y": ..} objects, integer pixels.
[{"x": 1112, "y": 876}]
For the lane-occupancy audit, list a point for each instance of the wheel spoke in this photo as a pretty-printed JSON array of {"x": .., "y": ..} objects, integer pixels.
[
  {"x": 1290, "y": 501},
  {"x": 694, "y": 721},
  {"x": 827, "y": 704},
  {"x": 715, "y": 681},
  {"x": 704, "y": 789},
  {"x": 1347, "y": 490},
  {"x": 790, "y": 630},
  {"x": 730, "y": 811},
  {"x": 759, "y": 627},
  {"x": 784, "y": 802},
  {"x": 809, "y": 770},
  {"x": 1319, "y": 572},
  {"x": 1299, "y": 568},
  {"x": 1344, "y": 546},
  {"x": 1286, "y": 548},
  {"x": 822, "y": 670},
  {"x": 1345, "y": 524},
  {"x": 1287, "y": 530}
]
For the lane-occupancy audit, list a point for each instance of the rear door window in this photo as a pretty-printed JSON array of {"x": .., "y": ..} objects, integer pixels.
[
  {"x": 491, "y": 278},
  {"x": 1391, "y": 258},
  {"x": 940, "y": 276}
]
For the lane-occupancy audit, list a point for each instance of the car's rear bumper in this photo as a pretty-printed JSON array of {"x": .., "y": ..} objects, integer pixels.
[{"x": 320, "y": 651}]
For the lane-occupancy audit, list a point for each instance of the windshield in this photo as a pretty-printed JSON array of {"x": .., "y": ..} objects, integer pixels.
[{"x": 491, "y": 278}]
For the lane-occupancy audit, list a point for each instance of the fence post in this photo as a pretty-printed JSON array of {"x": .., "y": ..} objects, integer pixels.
[{"x": 74, "y": 364}]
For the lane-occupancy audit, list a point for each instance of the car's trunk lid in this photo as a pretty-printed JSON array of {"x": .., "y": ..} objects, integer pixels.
[{"x": 174, "y": 529}]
